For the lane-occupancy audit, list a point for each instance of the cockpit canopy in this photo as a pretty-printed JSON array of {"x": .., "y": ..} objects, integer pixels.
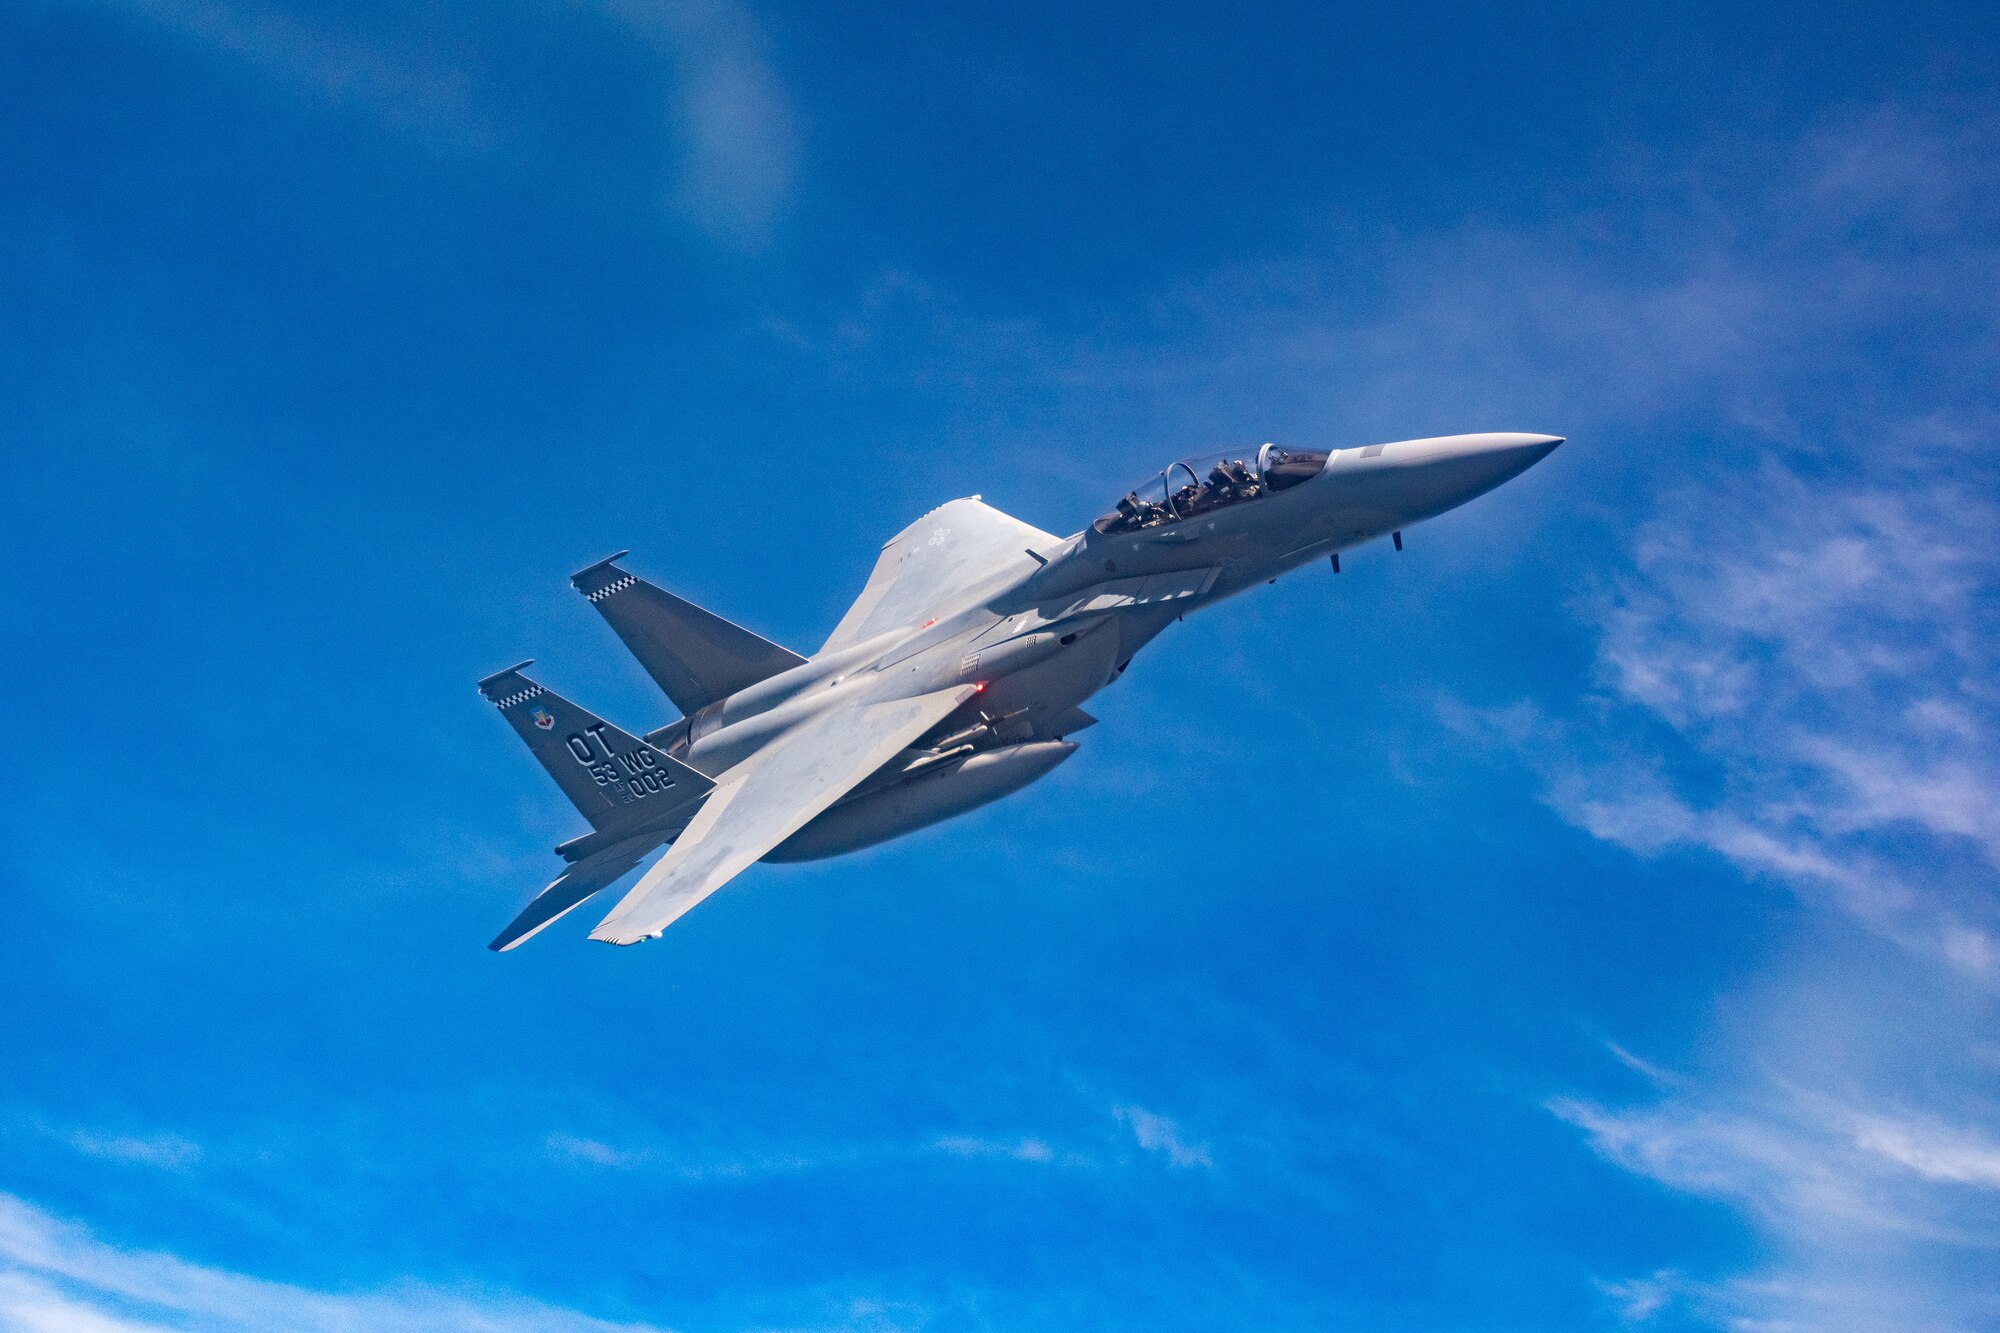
[{"x": 1214, "y": 481}]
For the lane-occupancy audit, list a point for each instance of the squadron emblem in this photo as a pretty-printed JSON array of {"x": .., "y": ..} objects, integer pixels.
[{"x": 542, "y": 718}]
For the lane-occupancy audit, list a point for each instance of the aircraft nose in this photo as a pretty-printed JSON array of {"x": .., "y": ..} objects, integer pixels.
[
  {"x": 1417, "y": 479},
  {"x": 1462, "y": 467},
  {"x": 1516, "y": 451}
]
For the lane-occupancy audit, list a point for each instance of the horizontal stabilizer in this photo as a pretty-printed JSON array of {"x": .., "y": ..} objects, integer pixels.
[
  {"x": 614, "y": 779},
  {"x": 696, "y": 656},
  {"x": 571, "y": 888}
]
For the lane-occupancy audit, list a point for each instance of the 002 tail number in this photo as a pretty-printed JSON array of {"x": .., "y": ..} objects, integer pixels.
[{"x": 638, "y": 772}]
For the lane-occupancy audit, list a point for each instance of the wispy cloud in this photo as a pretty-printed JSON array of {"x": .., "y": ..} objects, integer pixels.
[
  {"x": 57, "y": 1276},
  {"x": 730, "y": 116},
  {"x": 1819, "y": 654},
  {"x": 393, "y": 78},
  {"x": 712, "y": 1164},
  {"x": 1875, "y": 1212},
  {"x": 1933, "y": 1151},
  {"x": 726, "y": 114},
  {"x": 694, "y": 1163},
  {"x": 1019, "y": 1150},
  {"x": 570, "y": 1147},
  {"x": 1640, "y": 1298},
  {"x": 1646, "y": 1069},
  {"x": 1797, "y": 675},
  {"x": 163, "y": 1150},
  {"x": 1088, "y": 1148},
  {"x": 1799, "y": 664},
  {"x": 1158, "y": 1134}
]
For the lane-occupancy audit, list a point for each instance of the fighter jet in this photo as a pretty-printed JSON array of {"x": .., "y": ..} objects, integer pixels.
[{"x": 954, "y": 679}]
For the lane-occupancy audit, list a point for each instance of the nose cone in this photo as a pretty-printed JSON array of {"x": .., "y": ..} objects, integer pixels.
[
  {"x": 1419, "y": 478},
  {"x": 1471, "y": 465},
  {"x": 1507, "y": 453}
]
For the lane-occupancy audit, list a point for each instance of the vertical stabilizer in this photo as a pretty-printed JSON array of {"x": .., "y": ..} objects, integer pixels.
[{"x": 614, "y": 779}]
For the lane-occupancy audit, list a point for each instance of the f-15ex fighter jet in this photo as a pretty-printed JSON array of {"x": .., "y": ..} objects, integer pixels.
[{"x": 953, "y": 680}]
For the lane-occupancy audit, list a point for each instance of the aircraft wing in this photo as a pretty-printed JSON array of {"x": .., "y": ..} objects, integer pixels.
[
  {"x": 928, "y": 568},
  {"x": 767, "y": 798}
]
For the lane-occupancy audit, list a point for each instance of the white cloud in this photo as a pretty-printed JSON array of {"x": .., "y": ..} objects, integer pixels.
[
  {"x": 1781, "y": 1168},
  {"x": 1647, "y": 1070},
  {"x": 28, "y": 1304},
  {"x": 1824, "y": 657},
  {"x": 715, "y": 1163},
  {"x": 1640, "y": 1298},
  {"x": 1931, "y": 1150},
  {"x": 1158, "y": 1134},
  {"x": 1154, "y": 1134},
  {"x": 55, "y": 1275},
  {"x": 1796, "y": 667},
  {"x": 1019, "y": 1150},
  {"x": 1861, "y": 1241},
  {"x": 394, "y": 79},
  {"x": 1800, "y": 678},
  {"x": 1801, "y": 664},
  {"x": 590, "y": 1150},
  {"x": 164, "y": 1150},
  {"x": 730, "y": 115},
  {"x": 693, "y": 1164},
  {"x": 1822, "y": 649},
  {"x": 1798, "y": 674}
]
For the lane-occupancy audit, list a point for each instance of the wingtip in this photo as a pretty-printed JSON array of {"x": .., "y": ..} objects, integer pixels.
[{"x": 513, "y": 938}]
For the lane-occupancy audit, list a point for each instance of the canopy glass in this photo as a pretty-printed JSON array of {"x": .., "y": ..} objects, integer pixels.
[{"x": 1202, "y": 485}]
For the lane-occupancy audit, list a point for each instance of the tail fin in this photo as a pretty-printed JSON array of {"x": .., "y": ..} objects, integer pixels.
[
  {"x": 696, "y": 657},
  {"x": 614, "y": 779}
]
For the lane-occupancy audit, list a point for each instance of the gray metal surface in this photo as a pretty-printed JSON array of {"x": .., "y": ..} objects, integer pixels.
[
  {"x": 615, "y": 780},
  {"x": 762, "y": 802},
  {"x": 695, "y": 656}
]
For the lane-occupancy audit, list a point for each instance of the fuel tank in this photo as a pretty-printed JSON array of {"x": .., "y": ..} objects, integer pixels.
[{"x": 924, "y": 800}]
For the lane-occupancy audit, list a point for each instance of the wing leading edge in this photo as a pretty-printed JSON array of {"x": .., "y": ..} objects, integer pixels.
[
  {"x": 767, "y": 798},
  {"x": 933, "y": 566}
]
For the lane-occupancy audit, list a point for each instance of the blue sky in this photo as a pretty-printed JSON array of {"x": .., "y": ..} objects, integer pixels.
[{"x": 1586, "y": 919}]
